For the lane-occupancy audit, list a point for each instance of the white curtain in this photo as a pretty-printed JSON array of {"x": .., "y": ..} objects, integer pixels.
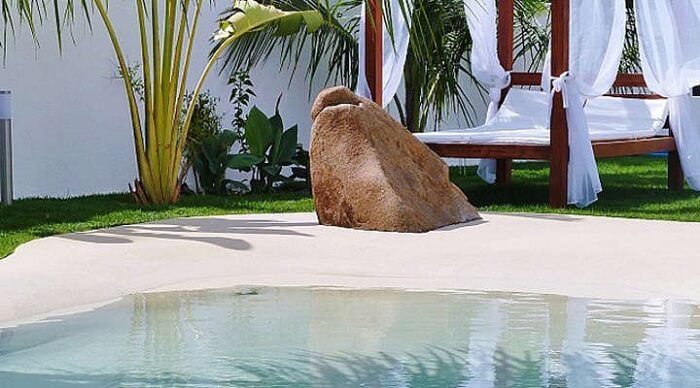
[
  {"x": 597, "y": 35},
  {"x": 394, "y": 52},
  {"x": 486, "y": 67},
  {"x": 669, "y": 37}
]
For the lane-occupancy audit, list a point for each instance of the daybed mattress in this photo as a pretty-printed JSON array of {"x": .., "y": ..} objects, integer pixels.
[
  {"x": 526, "y": 136},
  {"x": 524, "y": 117}
]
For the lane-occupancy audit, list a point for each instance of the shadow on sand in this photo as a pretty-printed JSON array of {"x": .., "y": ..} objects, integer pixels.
[{"x": 220, "y": 232}]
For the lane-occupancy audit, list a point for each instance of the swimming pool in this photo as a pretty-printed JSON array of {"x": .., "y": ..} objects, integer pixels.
[{"x": 296, "y": 337}]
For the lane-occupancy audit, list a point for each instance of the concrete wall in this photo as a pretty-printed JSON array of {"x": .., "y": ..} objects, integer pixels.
[{"x": 71, "y": 126}]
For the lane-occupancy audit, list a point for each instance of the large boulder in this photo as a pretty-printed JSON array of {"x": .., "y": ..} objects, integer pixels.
[{"x": 369, "y": 172}]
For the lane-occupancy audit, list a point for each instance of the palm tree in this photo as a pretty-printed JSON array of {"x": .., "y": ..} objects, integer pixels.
[
  {"x": 167, "y": 31},
  {"x": 437, "y": 67}
]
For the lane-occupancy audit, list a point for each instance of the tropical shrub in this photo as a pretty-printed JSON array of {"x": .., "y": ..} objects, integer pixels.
[
  {"x": 301, "y": 170},
  {"x": 167, "y": 38},
  {"x": 205, "y": 124},
  {"x": 211, "y": 162},
  {"x": 270, "y": 148},
  {"x": 206, "y": 120},
  {"x": 241, "y": 93},
  {"x": 299, "y": 180}
]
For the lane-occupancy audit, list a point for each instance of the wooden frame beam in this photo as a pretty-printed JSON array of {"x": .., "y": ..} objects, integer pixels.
[
  {"x": 676, "y": 180},
  {"x": 534, "y": 79},
  {"x": 615, "y": 148},
  {"x": 559, "y": 136},
  {"x": 601, "y": 149},
  {"x": 491, "y": 151},
  {"x": 505, "y": 33},
  {"x": 505, "y": 30},
  {"x": 557, "y": 153},
  {"x": 374, "y": 39}
]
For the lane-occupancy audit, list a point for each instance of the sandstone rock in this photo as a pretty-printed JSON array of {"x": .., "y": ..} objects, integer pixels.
[{"x": 369, "y": 172}]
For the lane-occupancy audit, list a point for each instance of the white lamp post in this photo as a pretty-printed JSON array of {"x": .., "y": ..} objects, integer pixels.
[{"x": 6, "y": 192}]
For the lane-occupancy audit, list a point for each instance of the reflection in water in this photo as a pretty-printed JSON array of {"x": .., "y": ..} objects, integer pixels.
[
  {"x": 484, "y": 339},
  {"x": 667, "y": 346},
  {"x": 323, "y": 338},
  {"x": 588, "y": 365}
]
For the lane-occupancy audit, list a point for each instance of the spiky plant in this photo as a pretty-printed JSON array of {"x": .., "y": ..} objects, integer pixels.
[{"x": 167, "y": 31}]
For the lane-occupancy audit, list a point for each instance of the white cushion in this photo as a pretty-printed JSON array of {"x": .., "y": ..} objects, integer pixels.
[
  {"x": 626, "y": 114},
  {"x": 523, "y": 109},
  {"x": 524, "y": 119}
]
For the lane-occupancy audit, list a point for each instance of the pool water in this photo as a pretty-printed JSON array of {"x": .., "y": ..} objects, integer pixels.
[{"x": 294, "y": 337}]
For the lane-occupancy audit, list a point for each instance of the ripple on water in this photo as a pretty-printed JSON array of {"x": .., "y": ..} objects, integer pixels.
[{"x": 296, "y": 337}]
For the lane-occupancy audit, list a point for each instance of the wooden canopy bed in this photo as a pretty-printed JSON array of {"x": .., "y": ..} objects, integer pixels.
[{"x": 557, "y": 152}]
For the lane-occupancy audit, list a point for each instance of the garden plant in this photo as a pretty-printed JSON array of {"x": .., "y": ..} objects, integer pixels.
[{"x": 160, "y": 129}]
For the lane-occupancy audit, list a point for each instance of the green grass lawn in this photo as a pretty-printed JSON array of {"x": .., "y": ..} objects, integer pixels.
[
  {"x": 28, "y": 219},
  {"x": 634, "y": 187}
]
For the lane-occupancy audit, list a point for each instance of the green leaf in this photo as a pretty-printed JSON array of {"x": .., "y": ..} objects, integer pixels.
[
  {"x": 259, "y": 132},
  {"x": 250, "y": 16},
  {"x": 228, "y": 137},
  {"x": 289, "y": 25},
  {"x": 275, "y": 151},
  {"x": 313, "y": 20},
  {"x": 198, "y": 165},
  {"x": 288, "y": 145},
  {"x": 272, "y": 170},
  {"x": 276, "y": 122},
  {"x": 243, "y": 161},
  {"x": 257, "y": 186},
  {"x": 237, "y": 186},
  {"x": 210, "y": 152}
]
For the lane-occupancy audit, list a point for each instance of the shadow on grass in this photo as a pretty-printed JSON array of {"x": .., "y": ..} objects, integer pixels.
[
  {"x": 29, "y": 219},
  {"x": 44, "y": 213},
  {"x": 634, "y": 187}
]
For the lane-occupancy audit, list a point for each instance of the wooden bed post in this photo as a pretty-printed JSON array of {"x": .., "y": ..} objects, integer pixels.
[
  {"x": 675, "y": 172},
  {"x": 374, "y": 37},
  {"x": 506, "y": 10},
  {"x": 557, "y": 152},
  {"x": 559, "y": 137}
]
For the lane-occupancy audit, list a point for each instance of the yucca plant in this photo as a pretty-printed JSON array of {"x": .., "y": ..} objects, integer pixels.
[{"x": 167, "y": 31}]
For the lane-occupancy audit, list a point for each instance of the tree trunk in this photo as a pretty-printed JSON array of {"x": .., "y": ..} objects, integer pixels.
[{"x": 413, "y": 94}]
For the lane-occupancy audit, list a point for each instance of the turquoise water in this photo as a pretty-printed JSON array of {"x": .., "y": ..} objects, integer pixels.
[{"x": 295, "y": 337}]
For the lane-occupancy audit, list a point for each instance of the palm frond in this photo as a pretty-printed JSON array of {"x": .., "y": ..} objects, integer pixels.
[
  {"x": 334, "y": 44},
  {"x": 33, "y": 13},
  {"x": 437, "y": 75}
]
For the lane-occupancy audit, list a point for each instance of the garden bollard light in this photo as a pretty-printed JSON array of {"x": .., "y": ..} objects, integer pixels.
[{"x": 6, "y": 192}]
